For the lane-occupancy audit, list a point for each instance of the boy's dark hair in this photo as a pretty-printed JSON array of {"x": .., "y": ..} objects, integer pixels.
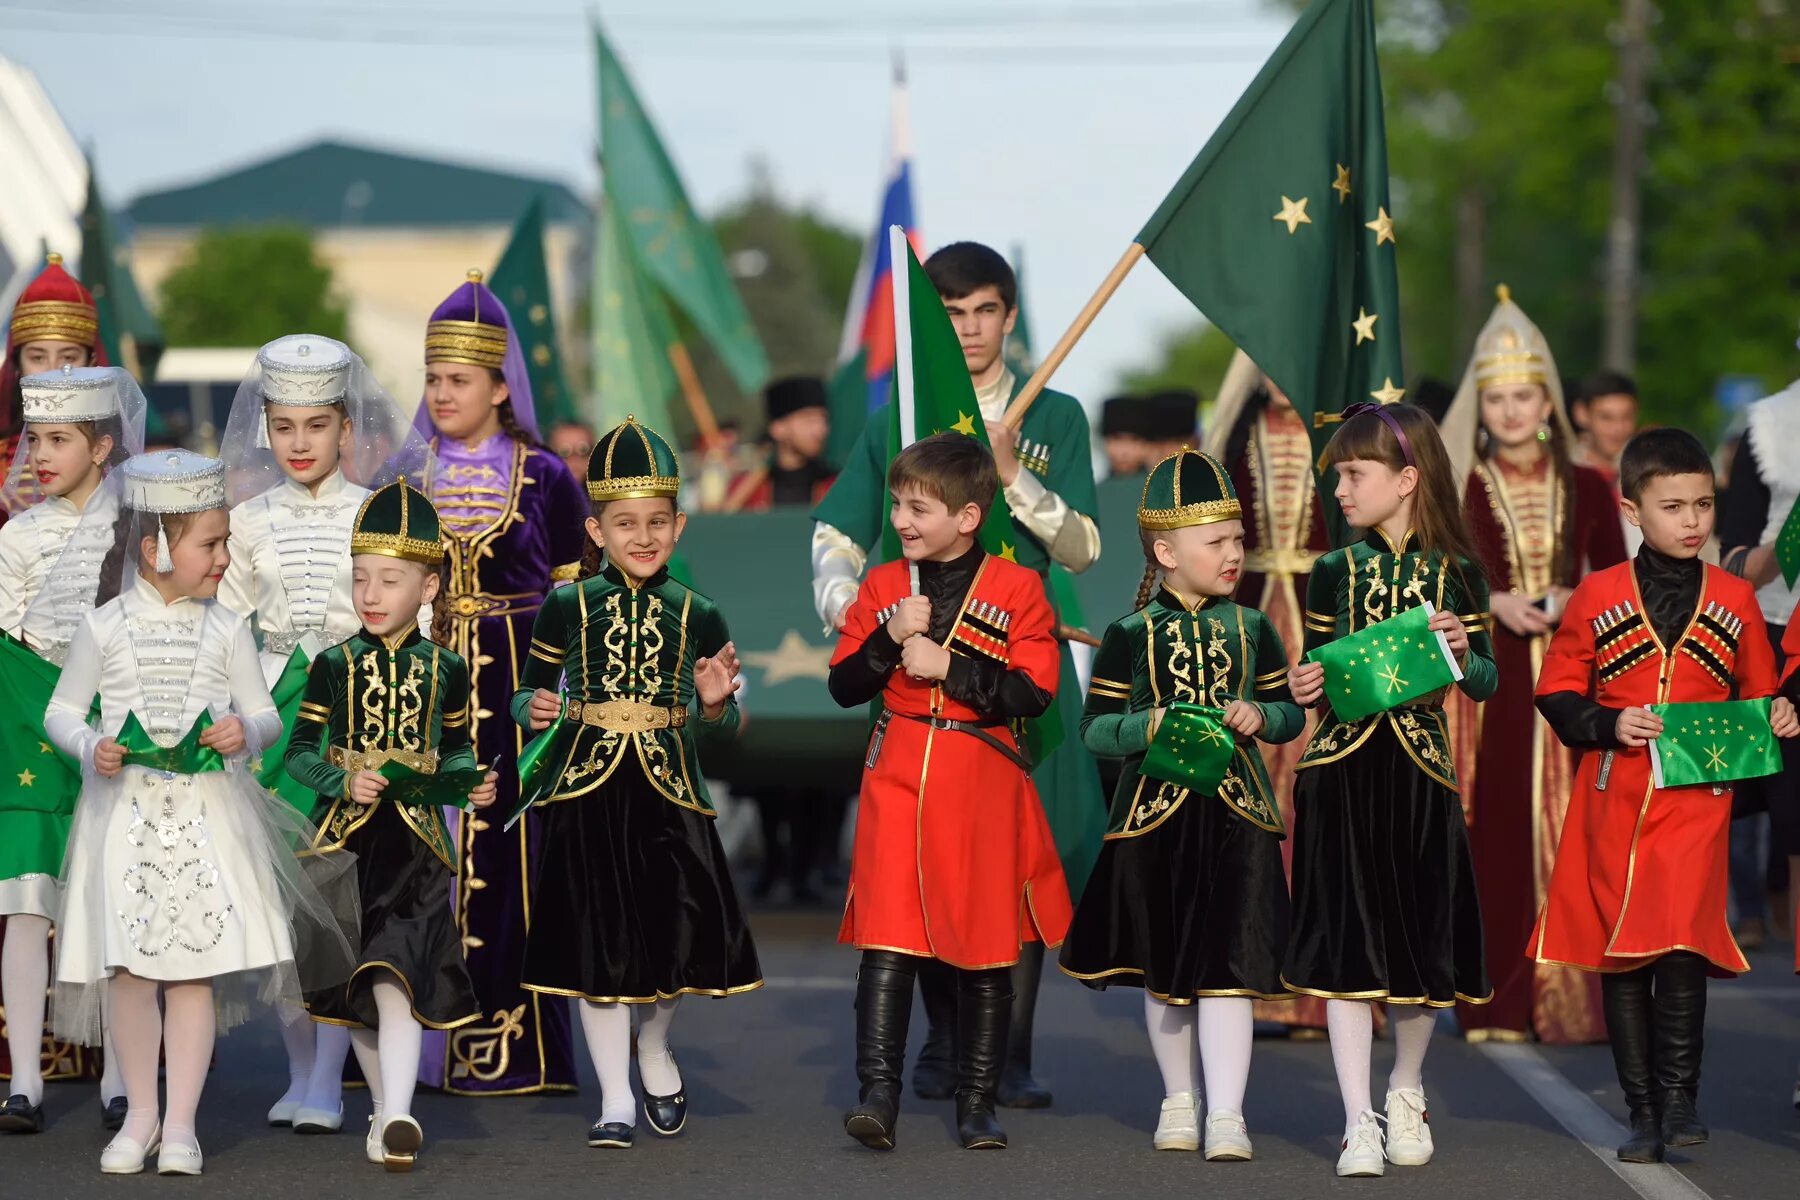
[
  {"x": 950, "y": 467},
  {"x": 1607, "y": 383},
  {"x": 1657, "y": 452},
  {"x": 961, "y": 267}
]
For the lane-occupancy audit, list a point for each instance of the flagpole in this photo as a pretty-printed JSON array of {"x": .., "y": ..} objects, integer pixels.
[
  {"x": 900, "y": 280},
  {"x": 1034, "y": 387},
  {"x": 694, "y": 394}
]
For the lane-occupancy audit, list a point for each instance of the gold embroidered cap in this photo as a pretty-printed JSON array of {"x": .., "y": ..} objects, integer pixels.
[
  {"x": 1187, "y": 488},
  {"x": 1510, "y": 348},
  {"x": 400, "y": 522},
  {"x": 69, "y": 395},
  {"x": 632, "y": 461},
  {"x": 55, "y": 308},
  {"x": 468, "y": 327}
]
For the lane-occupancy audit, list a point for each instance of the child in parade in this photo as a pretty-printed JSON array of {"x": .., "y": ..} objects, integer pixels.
[
  {"x": 1638, "y": 893},
  {"x": 1188, "y": 899},
  {"x": 956, "y": 658},
  {"x": 310, "y": 432},
  {"x": 183, "y": 903},
  {"x": 1384, "y": 902},
  {"x": 79, "y": 423},
  {"x": 633, "y": 904},
  {"x": 361, "y": 712}
]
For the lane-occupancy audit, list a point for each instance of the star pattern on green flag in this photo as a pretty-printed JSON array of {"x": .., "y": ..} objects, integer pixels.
[
  {"x": 1384, "y": 665},
  {"x": 1787, "y": 547},
  {"x": 1713, "y": 743}
]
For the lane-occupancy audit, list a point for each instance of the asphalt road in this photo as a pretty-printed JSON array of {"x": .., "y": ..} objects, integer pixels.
[{"x": 769, "y": 1073}]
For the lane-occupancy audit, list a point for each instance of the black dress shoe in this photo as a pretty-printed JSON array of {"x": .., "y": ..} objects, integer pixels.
[
  {"x": 20, "y": 1115},
  {"x": 1645, "y": 1145},
  {"x": 112, "y": 1113},
  {"x": 666, "y": 1114},
  {"x": 610, "y": 1135}
]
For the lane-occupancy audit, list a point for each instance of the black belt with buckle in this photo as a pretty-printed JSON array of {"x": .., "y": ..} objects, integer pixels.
[{"x": 975, "y": 729}]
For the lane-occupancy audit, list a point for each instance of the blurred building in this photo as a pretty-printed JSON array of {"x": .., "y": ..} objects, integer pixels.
[
  {"x": 397, "y": 230},
  {"x": 42, "y": 184}
]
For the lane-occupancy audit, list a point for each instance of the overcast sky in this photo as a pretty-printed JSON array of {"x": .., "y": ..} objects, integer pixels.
[{"x": 1053, "y": 124}]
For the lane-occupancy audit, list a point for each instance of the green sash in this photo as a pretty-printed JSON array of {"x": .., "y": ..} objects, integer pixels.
[{"x": 186, "y": 757}]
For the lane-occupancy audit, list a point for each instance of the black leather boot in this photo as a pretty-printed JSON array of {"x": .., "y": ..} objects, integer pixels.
[
  {"x": 934, "y": 1075},
  {"x": 983, "y": 1008},
  {"x": 884, "y": 988},
  {"x": 1679, "y": 1028},
  {"x": 1017, "y": 1087},
  {"x": 1626, "y": 998}
]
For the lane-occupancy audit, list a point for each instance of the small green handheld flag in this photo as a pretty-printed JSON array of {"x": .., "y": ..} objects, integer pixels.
[
  {"x": 1787, "y": 546},
  {"x": 1386, "y": 664},
  {"x": 1713, "y": 743},
  {"x": 1192, "y": 748}
]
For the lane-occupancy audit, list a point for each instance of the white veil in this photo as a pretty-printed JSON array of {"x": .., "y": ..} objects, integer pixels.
[{"x": 126, "y": 427}]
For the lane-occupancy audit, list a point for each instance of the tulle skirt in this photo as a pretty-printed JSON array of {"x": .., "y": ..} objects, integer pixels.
[{"x": 195, "y": 877}]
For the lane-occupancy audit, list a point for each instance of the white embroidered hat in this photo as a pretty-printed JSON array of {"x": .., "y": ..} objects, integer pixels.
[
  {"x": 169, "y": 482},
  {"x": 71, "y": 394},
  {"x": 305, "y": 370}
]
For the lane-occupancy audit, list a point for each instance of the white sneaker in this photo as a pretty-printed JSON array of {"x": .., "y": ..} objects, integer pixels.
[
  {"x": 1227, "y": 1137},
  {"x": 177, "y": 1159},
  {"x": 125, "y": 1156},
  {"x": 1362, "y": 1157},
  {"x": 373, "y": 1150},
  {"x": 1178, "y": 1126},
  {"x": 1408, "y": 1128}
]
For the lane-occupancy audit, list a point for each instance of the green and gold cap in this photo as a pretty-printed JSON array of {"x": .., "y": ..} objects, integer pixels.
[
  {"x": 631, "y": 462},
  {"x": 1189, "y": 488},
  {"x": 400, "y": 522}
]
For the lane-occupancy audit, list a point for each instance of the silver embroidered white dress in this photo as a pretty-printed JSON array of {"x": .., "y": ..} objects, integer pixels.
[
  {"x": 170, "y": 877},
  {"x": 290, "y": 567}
]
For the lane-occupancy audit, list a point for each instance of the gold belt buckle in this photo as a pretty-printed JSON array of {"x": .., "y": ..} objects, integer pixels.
[
  {"x": 630, "y": 716},
  {"x": 373, "y": 760}
]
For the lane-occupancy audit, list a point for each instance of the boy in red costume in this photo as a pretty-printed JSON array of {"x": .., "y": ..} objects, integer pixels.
[
  {"x": 960, "y": 646},
  {"x": 1638, "y": 890}
]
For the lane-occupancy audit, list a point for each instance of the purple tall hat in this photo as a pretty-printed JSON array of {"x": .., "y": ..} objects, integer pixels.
[{"x": 472, "y": 326}]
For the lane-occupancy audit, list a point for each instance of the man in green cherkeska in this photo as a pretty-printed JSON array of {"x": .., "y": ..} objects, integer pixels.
[{"x": 1047, "y": 481}]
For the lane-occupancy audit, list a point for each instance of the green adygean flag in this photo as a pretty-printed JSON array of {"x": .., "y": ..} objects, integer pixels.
[
  {"x": 186, "y": 757},
  {"x": 1385, "y": 664},
  {"x": 1713, "y": 743},
  {"x": 847, "y": 400},
  {"x": 1280, "y": 232},
  {"x": 38, "y": 776},
  {"x": 932, "y": 389},
  {"x": 674, "y": 248},
  {"x": 1192, "y": 748},
  {"x": 522, "y": 281},
  {"x": 1787, "y": 546},
  {"x": 270, "y": 767},
  {"x": 632, "y": 335}
]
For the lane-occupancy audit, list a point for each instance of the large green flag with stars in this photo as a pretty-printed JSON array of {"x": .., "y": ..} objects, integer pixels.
[
  {"x": 41, "y": 782},
  {"x": 1280, "y": 231},
  {"x": 1713, "y": 743},
  {"x": 1384, "y": 665},
  {"x": 674, "y": 248},
  {"x": 522, "y": 281}
]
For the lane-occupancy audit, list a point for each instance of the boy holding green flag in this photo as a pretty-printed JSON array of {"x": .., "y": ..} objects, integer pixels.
[{"x": 1638, "y": 889}]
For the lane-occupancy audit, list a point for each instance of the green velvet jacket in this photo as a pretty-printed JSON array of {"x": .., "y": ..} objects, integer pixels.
[
  {"x": 1372, "y": 580},
  {"x": 610, "y": 638},
  {"x": 1209, "y": 653},
  {"x": 399, "y": 696}
]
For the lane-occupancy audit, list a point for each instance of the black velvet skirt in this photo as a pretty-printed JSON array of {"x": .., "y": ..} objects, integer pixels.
[
  {"x": 1384, "y": 885},
  {"x": 633, "y": 901},
  {"x": 1197, "y": 906},
  {"x": 408, "y": 931}
]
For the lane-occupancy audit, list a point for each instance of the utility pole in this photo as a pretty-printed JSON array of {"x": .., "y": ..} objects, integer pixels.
[{"x": 1624, "y": 230}]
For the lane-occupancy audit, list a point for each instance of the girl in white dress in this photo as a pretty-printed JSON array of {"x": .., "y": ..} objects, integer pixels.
[
  {"x": 79, "y": 423},
  {"x": 180, "y": 883},
  {"x": 310, "y": 434}
]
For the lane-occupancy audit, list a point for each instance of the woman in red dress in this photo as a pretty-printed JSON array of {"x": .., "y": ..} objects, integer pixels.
[{"x": 1541, "y": 524}]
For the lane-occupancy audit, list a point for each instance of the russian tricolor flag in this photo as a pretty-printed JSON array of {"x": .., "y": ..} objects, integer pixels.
[{"x": 866, "y": 353}]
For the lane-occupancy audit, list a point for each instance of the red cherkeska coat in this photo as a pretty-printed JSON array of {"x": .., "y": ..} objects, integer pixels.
[
  {"x": 1640, "y": 870},
  {"x": 953, "y": 856}
]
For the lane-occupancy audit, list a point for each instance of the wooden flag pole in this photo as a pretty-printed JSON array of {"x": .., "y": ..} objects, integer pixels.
[
  {"x": 1034, "y": 387},
  {"x": 694, "y": 394}
]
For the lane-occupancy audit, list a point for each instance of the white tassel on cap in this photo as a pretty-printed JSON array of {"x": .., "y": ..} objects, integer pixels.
[
  {"x": 262, "y": 431},
  {"x": 164, "y": 564}
]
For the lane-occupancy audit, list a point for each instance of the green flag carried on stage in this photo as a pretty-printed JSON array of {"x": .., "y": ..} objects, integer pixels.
[
  {"x": 522, "y": 281},
  {"x": 632, "y": 335},
  {"x": 673, "y": 247},
  {"x": 1384, "y": 665},
  {"x": 1787, "y": 546},
  {"x": 270, "y": 767},
  {"x": 38, "y": 775},
  {"x": 1281, "y": 231},
  {"x": 1192, "y": 747},
  {"x": 1713, "y": 743}
]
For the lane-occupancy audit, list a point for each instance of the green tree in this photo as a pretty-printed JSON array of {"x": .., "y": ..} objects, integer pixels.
[
  {"x": 246, "y": 285},
  {"x": 1193, "y": 357}
]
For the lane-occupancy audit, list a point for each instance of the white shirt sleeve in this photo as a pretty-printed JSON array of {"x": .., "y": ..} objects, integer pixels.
[
  {"x": 1071, "y": 538},
  {"x": 15, "y": 569},
  {"x": 250, "y": 697},
  {"x": 65, "y": 721},
  {"x": 837, "y": 565}
]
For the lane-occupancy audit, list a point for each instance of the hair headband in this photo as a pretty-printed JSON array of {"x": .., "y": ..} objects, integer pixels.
[{"x": 1388, "y": 419}]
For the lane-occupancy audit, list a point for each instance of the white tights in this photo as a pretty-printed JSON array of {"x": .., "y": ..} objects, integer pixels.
[
  {"x": 24, "y": 977},
  {"x": 183, "y": 1029},
  {"x": 607, "y": 1028},
  {"x": 389, "y": 1055},
  {"x": 1225, "y": 1029},
  {"x": 1351, "y": 1024},
  {"x": 315, "y": 1054}
]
